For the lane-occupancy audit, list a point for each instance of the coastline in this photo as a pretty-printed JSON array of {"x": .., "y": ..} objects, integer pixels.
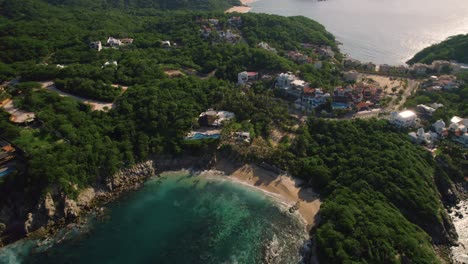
[
  {"x": 244, "y": 8},
  {"x": 49, "y": 218},
  {"x": 295, "y": 228},
  {"x": 459, "y": 217},
  {"x": 285, "y": 189}
]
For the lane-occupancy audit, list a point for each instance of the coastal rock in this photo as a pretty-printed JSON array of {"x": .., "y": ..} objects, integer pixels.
[
  {"x": 49, "y": 206},
  {"x": 272, "y": 251},
  {"x": 130, "y": 178},
  {"x": 85, "y": 197},
  {"x": 294, "y": 208},
  {"x": 71, "y": 209},
  {"x": 28, "y": 223},
  {"x": 2, "y": 228}
]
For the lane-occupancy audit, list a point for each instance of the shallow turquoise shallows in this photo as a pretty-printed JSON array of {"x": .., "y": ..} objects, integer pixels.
[{"x": 180, "y": 218}]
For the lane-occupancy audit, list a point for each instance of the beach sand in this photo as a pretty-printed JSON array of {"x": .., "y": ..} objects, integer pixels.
[
  {"x": 244, "y": 8},
  {"x": 282, "y": 187}
]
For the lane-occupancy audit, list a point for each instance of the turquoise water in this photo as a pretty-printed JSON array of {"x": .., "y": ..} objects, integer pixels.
[
  {"x": 340, "y": 105},
  {"x": 179, "y": 219},
  {"x": 6, "y": 172},
  {"x": 198, "y": 136}
]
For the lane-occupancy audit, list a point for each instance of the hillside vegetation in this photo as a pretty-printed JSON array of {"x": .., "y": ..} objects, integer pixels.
[
  {"x": 380, "y": 201},
  {"x": 453, "y": 48},
  {"x": 72, "y": 146},
  {"x": 211, "y": 5},
  {"x": 379, "y": 191}
]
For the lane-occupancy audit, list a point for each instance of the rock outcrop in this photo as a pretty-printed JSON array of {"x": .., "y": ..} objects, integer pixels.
[
  {"x": 71, "y": 210},
  {"x": 56, "y": 207},
  {"x": 28, "y": 224},
  {"x": 49, "y": 206},
  {"x": 272, "y": 251},
  {"x": 131, "y": 178},
  {"x": 86, "y": 197}
]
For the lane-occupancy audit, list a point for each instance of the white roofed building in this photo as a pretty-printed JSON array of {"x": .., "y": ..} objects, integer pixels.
[
  {"x": 96, "y": 45},
  {"x": 439, "y": 126},
  {"x": 421, "y": 137},
  {"x": 114, "y": 42},
  {"x": 406, "y": 118},
  {"x": 424, "y": 109},
  {"x": 284, "y": 80}
]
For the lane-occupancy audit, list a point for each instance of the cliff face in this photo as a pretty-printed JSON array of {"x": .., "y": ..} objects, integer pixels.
[{"x": 56, "y": 209}]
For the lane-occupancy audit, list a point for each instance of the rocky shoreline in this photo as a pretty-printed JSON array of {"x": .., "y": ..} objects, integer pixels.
[{"x": 55, "y": 210}]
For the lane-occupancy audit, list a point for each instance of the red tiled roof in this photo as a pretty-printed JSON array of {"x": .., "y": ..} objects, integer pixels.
[
  {"x": 8, "y": 148},
  {"x": 361, "y": 105},
  {"x": 308, "y": 90}
]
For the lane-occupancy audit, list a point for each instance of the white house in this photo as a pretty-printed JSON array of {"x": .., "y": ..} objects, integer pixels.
[
  {"x": 96, "y": 45},
  {"x": 420, "y": 136},
  {"x": 298, "y": 84},
  {"x": 244, "y": 77},
  {"x": 114, "y": 63},
  {"x": 424, "y": 109},
  {"x": 439, "y": 126},
  {"x": 284, "y": 80},
  {"x": 214, "y": 118},
  {"x": 113, "y": 42},
  {"x": 406, "y": 118},
  {"x": 309, "y": 102}
]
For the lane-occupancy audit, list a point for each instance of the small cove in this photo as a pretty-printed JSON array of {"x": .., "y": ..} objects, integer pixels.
[{"x": 178, "y": 218}]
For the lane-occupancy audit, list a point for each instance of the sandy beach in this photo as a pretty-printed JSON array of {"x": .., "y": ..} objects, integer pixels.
[
  {"x": 281, "y": 187},
  {"x": 244, "y": 8}
]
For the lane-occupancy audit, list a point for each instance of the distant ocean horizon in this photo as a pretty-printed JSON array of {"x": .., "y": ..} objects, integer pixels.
[{"x": 378, "y": 31}]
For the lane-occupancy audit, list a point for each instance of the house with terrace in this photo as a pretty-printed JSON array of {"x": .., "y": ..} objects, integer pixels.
[
  {"x": 7, "y": 152},
  {"x": 298, "y": 57},
  {"x": 212, "y": 118},
  {"x": 245, "y": 77},
  {"x": 422, "y": 137},
  {"x": 97, "y": 45},
  {"x": 310, "y": 101},
  {"x": 404, "y": 119}
]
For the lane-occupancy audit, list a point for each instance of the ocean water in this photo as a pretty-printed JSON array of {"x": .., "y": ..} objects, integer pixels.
[
  {"x": 178, "y": 218},
  {"x": 380, "y": 31}
]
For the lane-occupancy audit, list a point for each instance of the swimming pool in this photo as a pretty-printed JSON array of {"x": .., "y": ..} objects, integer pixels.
[
  {"x": 6, "y": 172},
  {"x": 340, "y": 106},
  {"x": 198, "y": 136}
]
